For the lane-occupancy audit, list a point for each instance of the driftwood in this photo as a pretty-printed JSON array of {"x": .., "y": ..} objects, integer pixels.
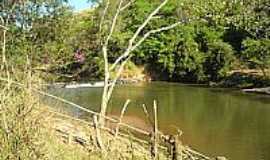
[{"x": 258, "y": 90}]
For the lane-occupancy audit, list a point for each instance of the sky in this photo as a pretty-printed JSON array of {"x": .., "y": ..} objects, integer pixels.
[{"x": 79, "y": 4}]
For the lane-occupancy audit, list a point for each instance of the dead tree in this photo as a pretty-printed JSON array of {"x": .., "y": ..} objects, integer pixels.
[{"x": 120, "y": 62}]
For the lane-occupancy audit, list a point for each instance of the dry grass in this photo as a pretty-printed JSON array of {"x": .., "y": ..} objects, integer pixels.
[
  {"x": 20, "y": 132},
  {"x": 81, "y": 137},
  {"x": 30, "y": 130}
]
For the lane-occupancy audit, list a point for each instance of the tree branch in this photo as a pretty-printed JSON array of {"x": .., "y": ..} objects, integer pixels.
[
  {"x": 105, "y": 46},
  {"x": 127, "y": 5},
  {"x": 113, "y": 23},
  {"x": 121, "y": 68},
  {"x": 103, "y": 15},
  {"x": 2, "y": 19},
  {"x": 153, "y": 32},
  {"x": 4, "y": 27},
  {"x": 142, "y": 40},
  {"x": 105, "y": 96},
  {"x": 131, "y": 41},
  {"x": 146, "y": 22}
]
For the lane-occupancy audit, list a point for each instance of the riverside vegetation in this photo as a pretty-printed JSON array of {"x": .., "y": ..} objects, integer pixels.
[
  {"x": 225, "y": 42},
  {"x": 217, "y": 41}
]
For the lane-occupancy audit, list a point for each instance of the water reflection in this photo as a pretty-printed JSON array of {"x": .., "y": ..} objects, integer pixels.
[{"x": 214, "y": 121}]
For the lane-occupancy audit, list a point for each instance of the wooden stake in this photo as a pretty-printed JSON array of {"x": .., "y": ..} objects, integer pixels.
[
  {"x": 98, "y": 136},
  {"x": 121, "y": 116},
  {"x": 174, "y": 147},
  {"x": 155, "y": 132},
  {"x": 70, "y": 138},
  {"x": 147, "y": 115}
]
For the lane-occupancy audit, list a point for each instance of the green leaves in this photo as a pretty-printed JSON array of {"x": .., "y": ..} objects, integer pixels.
[
  {"x": 218, "y": 61},
  {"x": 202, "y": 48},
  {"x": 257, "y": 53}
]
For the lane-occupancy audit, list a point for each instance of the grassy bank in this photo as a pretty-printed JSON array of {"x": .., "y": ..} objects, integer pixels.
[{"x": 29, "y": 130}]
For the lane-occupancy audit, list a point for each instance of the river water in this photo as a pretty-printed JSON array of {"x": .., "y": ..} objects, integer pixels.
[{"x": 213, "y": 121}]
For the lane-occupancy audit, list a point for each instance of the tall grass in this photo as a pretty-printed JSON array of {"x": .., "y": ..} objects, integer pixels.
[{"x": 20, "y": 125}]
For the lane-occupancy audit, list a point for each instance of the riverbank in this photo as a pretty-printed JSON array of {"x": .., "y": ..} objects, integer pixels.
[
  {"x": 235, "y": 79},
  {"x": 74, "y": 139}
]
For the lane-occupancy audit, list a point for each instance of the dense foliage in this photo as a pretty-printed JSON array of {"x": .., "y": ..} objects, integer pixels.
[{"x": 214, "y": 38}]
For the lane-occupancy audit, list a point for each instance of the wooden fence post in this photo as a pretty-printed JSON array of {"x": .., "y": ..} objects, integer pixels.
[
  {"x": 121, "y": 117},
  {"x": 155, "y": 147},
  {"x": 174, "y": 148},
  {"x": 98, "y": 135}
]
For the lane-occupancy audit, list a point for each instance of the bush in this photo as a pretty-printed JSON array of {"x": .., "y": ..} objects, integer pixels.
[
  {"x": 257, "y": 54},
  {"x": 188, "y": 60},
  {"x": 218, "y": 60}
]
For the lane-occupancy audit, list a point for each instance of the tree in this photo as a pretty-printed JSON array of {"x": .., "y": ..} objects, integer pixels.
[
  {"x": 218, "y": 60},
  {"x": 133, "y": 44},
  {"x": 257, "y": 53},
  {"x": 34, "y": 27}
]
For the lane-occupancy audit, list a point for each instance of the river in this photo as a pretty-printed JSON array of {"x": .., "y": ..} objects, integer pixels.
[{"x": 214, "y": 121}]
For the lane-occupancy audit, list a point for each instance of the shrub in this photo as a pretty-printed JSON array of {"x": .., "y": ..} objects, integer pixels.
[
  {"x": 218, "y": 60},
  {"x": 257, "y": 54}
]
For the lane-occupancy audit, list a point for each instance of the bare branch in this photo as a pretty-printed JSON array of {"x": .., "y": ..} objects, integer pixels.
[
  {"x": 125, "y": 57},
  {"x": 103, "y": 15},
  {"x": 131, "y": 41},
  {"x": 127, "y": 5},
  {"x": 117, "y": 76},
  {"x": 146, "y": 22},
  {"x": 2, "y": 20},
  {"x": 142, "y": 40},
  {"x": 153, "y": 32},
  {"x": 156, "y": 17},
  {"x": 121, "y": 117},
  {"x": 114, "y": 23},
  {"x": 4, "y": 27},
  {"x": 105, "y": 96}
]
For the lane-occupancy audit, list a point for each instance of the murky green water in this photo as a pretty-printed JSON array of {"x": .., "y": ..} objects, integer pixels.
[{"x": 214, "y": 121}]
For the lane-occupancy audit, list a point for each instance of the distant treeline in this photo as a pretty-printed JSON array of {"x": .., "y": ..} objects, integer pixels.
[{"x": 215, "y": 37}]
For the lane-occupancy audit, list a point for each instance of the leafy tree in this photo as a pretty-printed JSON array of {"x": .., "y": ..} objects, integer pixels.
[
  {"x": 257, "y": 53},
  {"x": 218, "y": 60},
  {"x": 33, "y": 27},
  {"x": 188, "y": 59}
]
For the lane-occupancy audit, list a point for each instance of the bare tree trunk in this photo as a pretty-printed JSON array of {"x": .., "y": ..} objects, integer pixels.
[
  {"x": 121, "y": 61},
  {"x": 105, "y": 97},
  {"x": 104, "y": 102}
]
